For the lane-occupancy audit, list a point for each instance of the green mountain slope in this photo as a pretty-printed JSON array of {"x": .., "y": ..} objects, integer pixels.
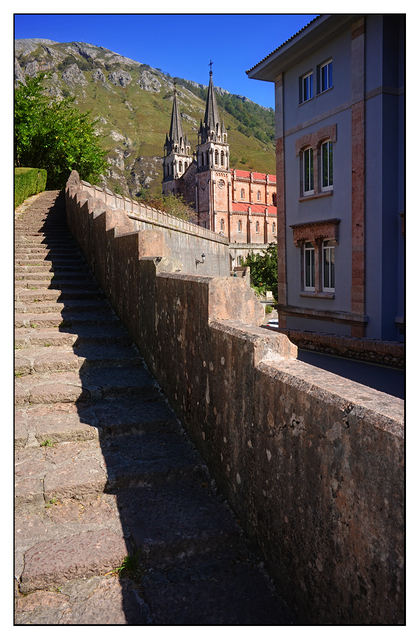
[{"x": 133, "y": 104}]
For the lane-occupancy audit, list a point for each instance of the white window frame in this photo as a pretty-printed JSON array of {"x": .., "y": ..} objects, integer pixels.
[
  {"x": 328, "y": 272},
  {"x": 308, "y": 171},
  {"x": 309, "y": 251},
  {"x": 327, "y": 67},
  {"x": 327, "y": 185},
  {"x": 307, "y": 87}
]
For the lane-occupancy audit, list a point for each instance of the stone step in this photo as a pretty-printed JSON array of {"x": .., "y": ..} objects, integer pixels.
[
  {"x": 46, "y": 254},
  {"x": 66, "y": 422},
  {"x": 82, "y": 334},
  {"x": 92, "y": 553},
  {"x": 65, "y": 319},
  {"x": 38, "y": 273},
  {"x": 80, "y": 469},
  {"x": 38, "y": 307},
  {"x": 59, "y": 262},
  {"x": 41, "y": 240},
  {"x": 64, "y": 284},
  {"x": 41, "y": 359},
  {"x": 57, "y": 294},
  {"x": 94, "y": 383}
]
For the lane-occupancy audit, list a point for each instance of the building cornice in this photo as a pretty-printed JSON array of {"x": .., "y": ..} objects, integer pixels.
[{"x": 302, "y": 45}]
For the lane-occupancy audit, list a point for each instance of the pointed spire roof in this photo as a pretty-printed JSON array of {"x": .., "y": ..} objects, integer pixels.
[
  {"x": 211, "y": 118},
  {"x": 175, "y": 131}
]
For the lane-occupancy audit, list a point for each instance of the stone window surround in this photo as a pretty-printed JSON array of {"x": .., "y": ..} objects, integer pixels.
[
  {"x": 314, "y": 141},
  {"x": 315, "y": 233}
]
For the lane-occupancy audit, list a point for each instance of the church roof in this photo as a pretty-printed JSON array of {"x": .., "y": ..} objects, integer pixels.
[
  {"x": 240, "y": 173},
  {"x": 243, "y": 207}
]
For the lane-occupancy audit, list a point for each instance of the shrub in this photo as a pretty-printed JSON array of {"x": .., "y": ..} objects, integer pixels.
[
  {"x": 263, "y": 270},
  {"x": 28, "y": 182}
]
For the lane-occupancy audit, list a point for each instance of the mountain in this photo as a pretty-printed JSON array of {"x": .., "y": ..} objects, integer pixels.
[{"x": 133, "y": 104}]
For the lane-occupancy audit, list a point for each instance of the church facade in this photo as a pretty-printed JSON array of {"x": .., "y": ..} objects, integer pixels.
[{"x": 240, "y": 205}]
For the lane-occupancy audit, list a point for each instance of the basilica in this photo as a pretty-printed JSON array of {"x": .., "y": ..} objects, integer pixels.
[{"x": 240, "y": 205}]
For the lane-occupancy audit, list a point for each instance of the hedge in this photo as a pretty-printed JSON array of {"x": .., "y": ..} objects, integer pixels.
[{"x": 28, "y": 182}]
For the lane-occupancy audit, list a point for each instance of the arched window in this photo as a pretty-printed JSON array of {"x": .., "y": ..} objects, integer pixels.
[
  {"x": 258, "y": 195},
  {"x": 242, "y": 194},
  {"x": 274, "y": 199},
  {"x": 222, "y": 158},
  {"x": 239, "y": 225},
  {"x": 274, "y": 227},
  {"x": 216, "y": 157},
  {"x": 180, "y": 166},
  {"x": 222, "y": 225},
  {"x": 257, "y": 227}
]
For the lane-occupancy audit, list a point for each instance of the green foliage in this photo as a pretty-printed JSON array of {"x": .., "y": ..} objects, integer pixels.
[
  {"x": 28, "y": 182},
  {"x": 263, "y": 270},
  {"x": 53, "y": 134},
  {"x": 174, "y": 205}
]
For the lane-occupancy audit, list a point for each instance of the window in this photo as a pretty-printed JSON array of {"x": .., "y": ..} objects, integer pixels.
[
  {"x": 328, "y": 266},
  {"x": 222, "y": 158},
  {"x": 257, "y": 227},
  {"x": 222, "y": 225},
  {"x": 308, "y": 171},
  {"x": 258, "y": 195},
  {"x": 216, "y": 157},
  {"x": 242, "y": 194},
  {"x": 327, "y": 165},
  {"x": 239, "y": 225},
  {"x": 325, "y": 76},
  {"x": 309, "y": 252},
  {"x": 274, "y": 227},
  {"x": 306, "y": 87}
]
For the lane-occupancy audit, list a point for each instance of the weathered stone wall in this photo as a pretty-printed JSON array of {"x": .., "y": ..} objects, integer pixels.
[
  {"x": 311, "y": 463},
  {"x": 186, "y": 241}
]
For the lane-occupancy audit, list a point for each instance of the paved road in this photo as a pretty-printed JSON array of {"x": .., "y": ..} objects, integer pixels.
[{"x": 386, "y": 379}]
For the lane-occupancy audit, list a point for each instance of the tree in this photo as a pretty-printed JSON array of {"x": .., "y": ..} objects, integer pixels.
[
  {"x": 174, "y": 205},
  {"x": 263, "y": 268},
  {"x": 52, "y": 134}
]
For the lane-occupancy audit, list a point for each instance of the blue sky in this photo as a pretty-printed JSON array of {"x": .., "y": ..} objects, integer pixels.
[{"x": 181, "y": 44}]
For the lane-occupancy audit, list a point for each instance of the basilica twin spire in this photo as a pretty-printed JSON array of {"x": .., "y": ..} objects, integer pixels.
[
  {"x": 176, "y": 142},
  {"x": 210, "y": 129}
]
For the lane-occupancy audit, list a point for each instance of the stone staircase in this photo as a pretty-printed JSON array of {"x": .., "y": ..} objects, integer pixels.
[{"x": 117, "y": 520}]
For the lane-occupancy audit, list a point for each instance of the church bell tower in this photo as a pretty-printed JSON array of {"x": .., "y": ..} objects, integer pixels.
[
  {"x": 213, "y": 178},
  {"x": 177, "y": 156}
]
